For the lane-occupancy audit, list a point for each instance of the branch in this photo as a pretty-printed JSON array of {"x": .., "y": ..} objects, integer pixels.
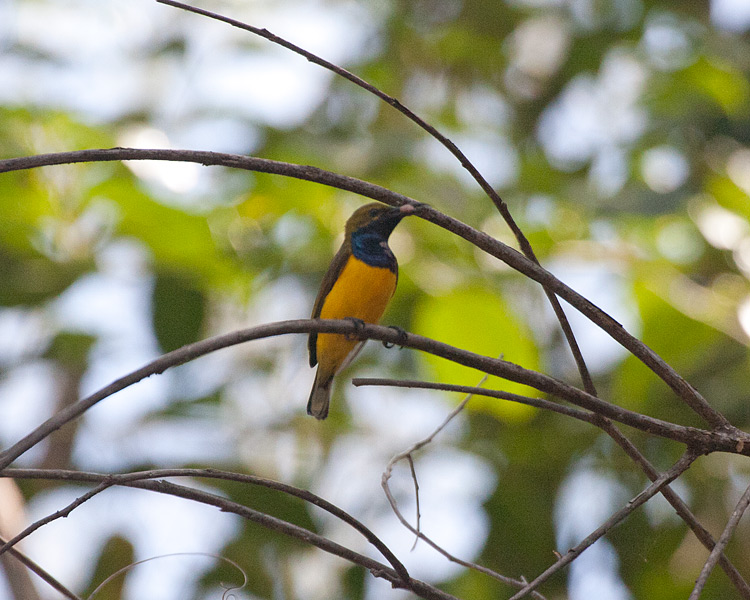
[
  {"x": 145, "y": 480},
  {"x": 726, "y": 535},
  {"x": 575, "y": 413},
  {"x": 64, "y": 512},
  {"x": 610, "y": 429},
  {"x": 493, "y": 247},
  {"x": 677, "y": 469},
  {"x": 408, "y": 455},
  {"x": 734, "y": 441},
  {"x": 42, "y": 573},
  {"x": 309, "y": 497},
  {"x": 709, "y": 440},
  {"x": 356, "y": 80},
  {"x": 682, "y": 510},
  {"x": 502, "y": 207}
]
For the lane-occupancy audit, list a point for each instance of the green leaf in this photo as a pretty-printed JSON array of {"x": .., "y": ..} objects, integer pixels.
[
  {"x": 31, "y": 280},
  {"x": 723, "y": 84},
  {"x": 117, "y": 553},
  {"x": 176, "y": 238},
  {"x": 477, "y": 320},
  {"x": 70, "y": 349},
  {"x": 728, "y": 194},
  {"x": 178, "y": 311}
]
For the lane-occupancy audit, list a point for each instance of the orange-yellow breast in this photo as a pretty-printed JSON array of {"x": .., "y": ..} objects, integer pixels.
[{"x": 361, "y": 291}]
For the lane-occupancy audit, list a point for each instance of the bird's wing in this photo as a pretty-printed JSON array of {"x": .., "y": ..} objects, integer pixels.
[{"x": 334, "y": 270}]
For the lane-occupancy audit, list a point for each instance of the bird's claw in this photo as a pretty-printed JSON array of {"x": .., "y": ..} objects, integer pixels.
[
  {"x": 401, "y": 337},
  {"x": 359, "y": 325}
]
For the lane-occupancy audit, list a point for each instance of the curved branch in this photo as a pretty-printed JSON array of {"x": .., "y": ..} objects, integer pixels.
[
  {"x": 682, "y": 510},
  {"x": 123, "y": 479},
  {"x": 735, "y": 441},
  {"x": 677, "y": 469},
  {"x": 499, "y": 203},
  {"x": 42, "y": 573},
  {"x": 575, "y": 413},
  {"x": 144, "y": 480},
  {"x": 508, "y": 255}
]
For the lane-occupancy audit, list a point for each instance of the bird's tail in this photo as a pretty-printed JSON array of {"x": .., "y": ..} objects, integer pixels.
[{"x": 320, "y": 396}]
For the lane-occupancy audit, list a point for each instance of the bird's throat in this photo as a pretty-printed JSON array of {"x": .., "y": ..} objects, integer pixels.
[{"x": 372, "y": 248}]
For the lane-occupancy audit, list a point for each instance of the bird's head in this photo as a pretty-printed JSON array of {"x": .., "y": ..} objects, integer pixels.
[{"x": 377, "y": 218}]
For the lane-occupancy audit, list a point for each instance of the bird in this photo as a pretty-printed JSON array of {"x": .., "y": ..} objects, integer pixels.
[{"x": 358, "y": 285}]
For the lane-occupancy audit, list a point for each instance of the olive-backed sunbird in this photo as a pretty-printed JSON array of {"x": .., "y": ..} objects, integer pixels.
[{"x": 358, "y": 285}]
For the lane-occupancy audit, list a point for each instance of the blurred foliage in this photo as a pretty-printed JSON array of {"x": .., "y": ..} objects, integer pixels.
[
  {"x": 116, "y": 554},
  {"x": 619, "y": 134},
  {"x": 440, "y": 318}
]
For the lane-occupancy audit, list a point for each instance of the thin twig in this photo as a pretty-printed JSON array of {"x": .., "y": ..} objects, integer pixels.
[
  {"x": 59, "y": 514},
  {"x": 733, "y": 441},
  {"x": 418, "y": 520},
  {"x": 514, "y": 259},
  {"x": 124, "y": 479},
  {"x": 120, "y": 572},
  {"x": 502, "y": 207},
  {"x": 677, "y": 469},
  {"x": 144, "y": 481},
  {"x": 726, "y": 535},
  {"x": 517, "y": 583},
  {"x": 41, "y": 572},
  {"x": 682, "y": 510},
  {"x": 408, "y": 454},
  {"x": 575, "y": 413}
]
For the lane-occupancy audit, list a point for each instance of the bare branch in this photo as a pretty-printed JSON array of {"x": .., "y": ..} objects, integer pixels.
[
  {"x": 508, "y": 255},
  {"x": 152, "y": 481},
  {"x": 502, "y": 207},
  {"x": 682, "y": 510},
  {"x": 408, "y": 455},
  {"x": 64, "y": 512},
  {"x": 356, "y": 80},
  {"x": 418, "y": 521},
  {"x": 42, "y": 573},
  {"x": 479, "y": 391},
  {"x": 734, "y": 441},
  {"x": 703, "y": 535},
  {"x": 726, "y": 535},
  {"x": 677, "y": 469},
  {"x": 123, "y": 479}
]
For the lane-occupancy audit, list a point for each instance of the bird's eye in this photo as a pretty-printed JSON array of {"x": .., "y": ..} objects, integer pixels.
[{"x": 374, "y": 212}]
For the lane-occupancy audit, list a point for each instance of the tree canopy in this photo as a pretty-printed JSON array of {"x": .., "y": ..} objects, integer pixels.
[{"x": 616, "y": 132}]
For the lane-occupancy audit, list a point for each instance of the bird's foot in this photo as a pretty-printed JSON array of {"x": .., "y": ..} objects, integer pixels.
[
  {"x": 401, "y": 337},
  {"x": 359, "y": 325}
]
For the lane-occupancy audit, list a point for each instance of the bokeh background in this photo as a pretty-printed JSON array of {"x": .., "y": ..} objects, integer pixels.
[{"x": 617, "y": 131}]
